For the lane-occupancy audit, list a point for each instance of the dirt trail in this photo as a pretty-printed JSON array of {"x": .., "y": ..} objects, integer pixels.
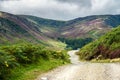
[{"x": 83, "y": 71}]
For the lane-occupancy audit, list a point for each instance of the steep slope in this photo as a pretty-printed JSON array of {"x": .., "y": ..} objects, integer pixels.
[
  {"x": 108, "y": 46},
  {"x": 48, "y": 27},
  {"x": 15, "y": 28},
  {"x": 44, "y": 22},
  {"x": 12, "y": 25},
  {"x": 90, "y": 26}
]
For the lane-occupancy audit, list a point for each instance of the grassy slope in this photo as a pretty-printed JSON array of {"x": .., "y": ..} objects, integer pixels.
[
  {"x": 42, "y": 31},
  {"x": 26, "y": 61},
  {"x": 107, "y": 47},
  {"x": 56, "y": 45}
]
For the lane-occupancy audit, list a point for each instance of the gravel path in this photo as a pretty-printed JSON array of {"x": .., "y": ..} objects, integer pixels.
[{"x": 83, "y": 71}]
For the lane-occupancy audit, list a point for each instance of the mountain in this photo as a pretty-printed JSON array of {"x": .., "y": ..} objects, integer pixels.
[
  {"x": 90, "y": 26},
  {"x": 17, "y": 28},
  {"x": 44, "y": 22},
  {"x": 48, "y": 27},
  {"x": 106, "y": 47}
]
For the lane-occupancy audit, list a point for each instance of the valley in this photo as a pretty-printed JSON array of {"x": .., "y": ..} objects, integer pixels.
[
  {"x": 31, "y": 46},
  {"x": 27, "y": 28}
]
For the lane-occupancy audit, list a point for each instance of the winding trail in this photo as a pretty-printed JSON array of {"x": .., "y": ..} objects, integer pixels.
[{"x": 83, "y": 71}]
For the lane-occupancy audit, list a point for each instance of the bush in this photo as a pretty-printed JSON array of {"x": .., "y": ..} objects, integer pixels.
[
  {"x": 26, "y": 54},
  {"x": 75, "y": 43},
  {"x": 7, "y": 62},
  {"x": 108, "y": 46}
]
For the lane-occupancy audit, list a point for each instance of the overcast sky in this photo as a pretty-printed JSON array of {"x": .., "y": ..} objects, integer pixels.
[{"x": 61, "y": 9}]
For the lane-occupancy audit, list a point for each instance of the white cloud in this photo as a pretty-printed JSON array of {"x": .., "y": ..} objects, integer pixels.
[
  {"x": 99, "y": 4},
  {"x": 60, "y": 9}
]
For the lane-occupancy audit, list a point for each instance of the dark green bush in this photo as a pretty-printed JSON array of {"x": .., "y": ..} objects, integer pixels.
[
  {"x": 7, "y": 62},
  {"x": 25, "y": 54},
  {"x": 75, "y": 43}
]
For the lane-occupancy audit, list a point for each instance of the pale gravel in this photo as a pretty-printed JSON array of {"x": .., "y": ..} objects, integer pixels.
[{"x": 83, "y": 71}]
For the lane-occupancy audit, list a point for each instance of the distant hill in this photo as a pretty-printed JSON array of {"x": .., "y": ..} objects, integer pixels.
[
  {"x": 44, "y": 22},
  {"x": 107, "y": 47},
  {"x": 48, "y": 27},
  {"x": 29, "y": 28},
  {"x": 90, "y": 26},
  {"x": 15, "y": 28}
]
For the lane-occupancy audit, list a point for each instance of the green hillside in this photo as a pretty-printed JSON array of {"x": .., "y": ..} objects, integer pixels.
[
  {"x": 26, "y": 28},
  {"x": 45, "y": 22},
  {"x": 18, "y": 60},
  {"x": 106, "y": 47},
  {"x": 18, "y": 29}
]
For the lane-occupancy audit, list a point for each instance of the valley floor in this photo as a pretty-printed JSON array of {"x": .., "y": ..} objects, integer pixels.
[{"x": 83, "y": 71}]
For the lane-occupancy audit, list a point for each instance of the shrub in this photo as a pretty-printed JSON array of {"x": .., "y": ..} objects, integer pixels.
[
  {"x": 7, "y": 62},
  {"x": 26, "y": 54},
  {"x": 108, "y": 46}
]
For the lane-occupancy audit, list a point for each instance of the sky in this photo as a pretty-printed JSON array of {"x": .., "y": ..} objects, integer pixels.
[{"x": 60, "y": 9}]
